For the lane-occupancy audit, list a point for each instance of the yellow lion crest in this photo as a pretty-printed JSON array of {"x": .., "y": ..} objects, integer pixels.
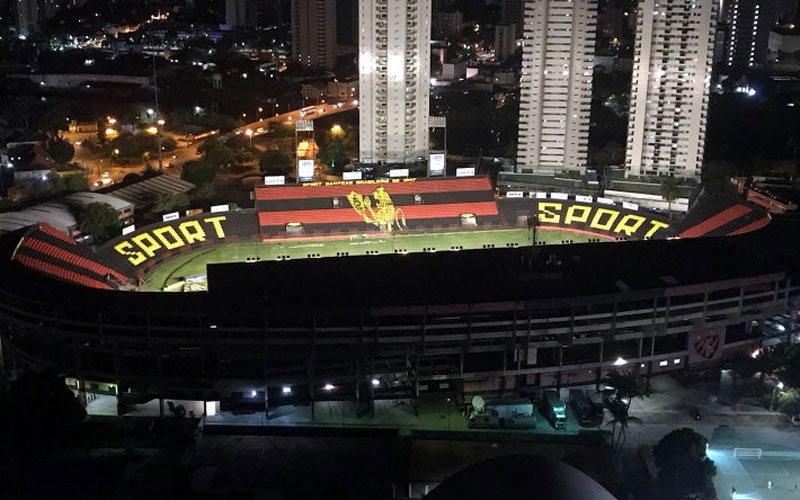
[{"x": 384, "y": 215}]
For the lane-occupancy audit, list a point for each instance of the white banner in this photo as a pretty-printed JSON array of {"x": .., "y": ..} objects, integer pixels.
[
  {"x": 605, "y": 201},
  {"x": 128, "y": 229},
  {"x": 465, "y": 172},
  {"x": 398, "y": 172},
  {"x": 274, "y": 180},
  {"x": 170, "y": 216},
  {"x": 583, "y": 199},
  {"x": 540, "y": 195},
  {"x": 514, "y": 194},
  {"x": 352, "y": 176},
  {"x": 559, "y": 196},
  {"x": 215, "y": 209}
]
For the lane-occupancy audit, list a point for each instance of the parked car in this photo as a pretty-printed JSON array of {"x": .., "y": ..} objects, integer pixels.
[{"x": 795, "y": 420}]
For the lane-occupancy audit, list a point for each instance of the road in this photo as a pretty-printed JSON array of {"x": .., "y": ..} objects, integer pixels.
[{"x": 319, "y": 110}]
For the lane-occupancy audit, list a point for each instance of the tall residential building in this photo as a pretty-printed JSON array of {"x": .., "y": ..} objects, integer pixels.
[
  {"x": 513, "y": 12},
  {"x": 314, "y": 33},
  {"x": 394, "y": 79},
  {"x": 505, "y": 43},
  {"x": 241, "y": 13},
  {"x": 671, "y": 81},
  {"x": 746, "y": 37},
  {"x": 556, "y": 85},
  {"x": 27, "y": 12}
]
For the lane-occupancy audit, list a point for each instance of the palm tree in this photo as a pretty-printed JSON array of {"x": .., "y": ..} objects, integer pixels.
[
  {"x": 624, "y": 387},
  {"x": 619, "y": 423},
  {"x": 669, "y": 191}
]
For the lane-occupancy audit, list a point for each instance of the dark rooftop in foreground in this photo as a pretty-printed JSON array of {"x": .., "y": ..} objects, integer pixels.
[{"x": 492, "y": 275}]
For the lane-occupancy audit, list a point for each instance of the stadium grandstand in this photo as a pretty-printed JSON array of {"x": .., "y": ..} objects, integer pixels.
[{"x": 402, "y": 205}]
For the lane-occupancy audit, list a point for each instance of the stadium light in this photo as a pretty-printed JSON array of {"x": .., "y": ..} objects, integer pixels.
[
  {"x": 286, "y": 389},
  {"x": 253, "y": 394},
  {"x": 620, "y": 362},
  {"x": 328, "y": 387},
  {"x": 336, "y": 129},
  {"x": 376, "y": 382}
]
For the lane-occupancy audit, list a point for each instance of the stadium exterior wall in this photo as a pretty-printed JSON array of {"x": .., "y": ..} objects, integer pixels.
[{"x": 190, "y": 346}]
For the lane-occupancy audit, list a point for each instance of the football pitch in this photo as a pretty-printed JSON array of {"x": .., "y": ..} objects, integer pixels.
[{"x": 194, "y": 263}]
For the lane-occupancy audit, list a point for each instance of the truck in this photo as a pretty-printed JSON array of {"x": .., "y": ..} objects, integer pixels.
[
  {"x": 554, "y": 409},
  {"x": 588, "y": 412},
  {"x": 518, "y": 414}
]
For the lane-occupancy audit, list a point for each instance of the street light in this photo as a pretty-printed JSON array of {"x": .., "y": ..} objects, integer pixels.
[
  {"x": 620, "y": 362},
  {"x": 249, "y": 133},
  {"x": 336, "y": 129},
  {"x": 778, "y": 387}
]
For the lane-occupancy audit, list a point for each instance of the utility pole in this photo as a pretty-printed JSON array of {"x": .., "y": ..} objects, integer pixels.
[{"x": 158, "y": 136}]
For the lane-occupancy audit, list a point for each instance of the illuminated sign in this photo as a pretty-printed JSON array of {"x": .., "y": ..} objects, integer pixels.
[
  {"x": 604, "y": 219},
  {"x": 170, "y": 216},
  {"x": 145, "y": 245},
  {"x": 514, "y": 194},
  {"x": 274, "y": 180},
  {"x": 215, "y": 209},
  {"x": 128, "y": 229},
  {"x": 305, "y": 170},
  {"x": 437, "y": 164},
  {"x": 385, "y": 215},
  {"x": 352, "y": 176},
  {"x": 465, "y": 172},
  {"x": 195, "y": 211}
]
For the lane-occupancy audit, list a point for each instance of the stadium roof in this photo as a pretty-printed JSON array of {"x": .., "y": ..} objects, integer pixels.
[
  {"x": 144, "y": 192},
  {"x": 58, "y": 213},
  {"x": 472, "y": 276}
]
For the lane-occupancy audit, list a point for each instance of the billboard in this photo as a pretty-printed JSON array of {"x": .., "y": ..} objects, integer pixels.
[
  {"x": 436, "y": 164},
  {"x": 305, "y": 170}
]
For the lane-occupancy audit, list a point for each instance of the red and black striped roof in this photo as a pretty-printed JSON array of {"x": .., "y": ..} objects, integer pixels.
[{"x": 55, "y": 254}]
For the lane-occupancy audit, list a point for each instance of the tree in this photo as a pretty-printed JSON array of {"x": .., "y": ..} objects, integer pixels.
[
  {"x": 170, "y": 203},
  {"x": 716, "y": 175},
  {"x": 37, "y": 413},
  {"x": 624, "y": 386},
  {"x": 273, "y": 159},
  {"x": 61, "y": 151},
  {"x": 99, "y": 220},
  {"x": 669, "y": 191},
  {"x": 333, "y": 154},
  {"x": 216, "y": 153},
  {"x": 684, "y": 470},
  {"x": 198, "y": 172},
  {"x": 76, "y": 182},
  {"x": 619, "y": 423}
]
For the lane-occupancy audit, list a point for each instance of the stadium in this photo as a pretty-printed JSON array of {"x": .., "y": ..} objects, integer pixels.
[{"x": 365, "y": 290}]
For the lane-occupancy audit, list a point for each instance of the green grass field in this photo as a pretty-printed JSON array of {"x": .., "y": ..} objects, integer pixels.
[{"x": 193, "y": 263}]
